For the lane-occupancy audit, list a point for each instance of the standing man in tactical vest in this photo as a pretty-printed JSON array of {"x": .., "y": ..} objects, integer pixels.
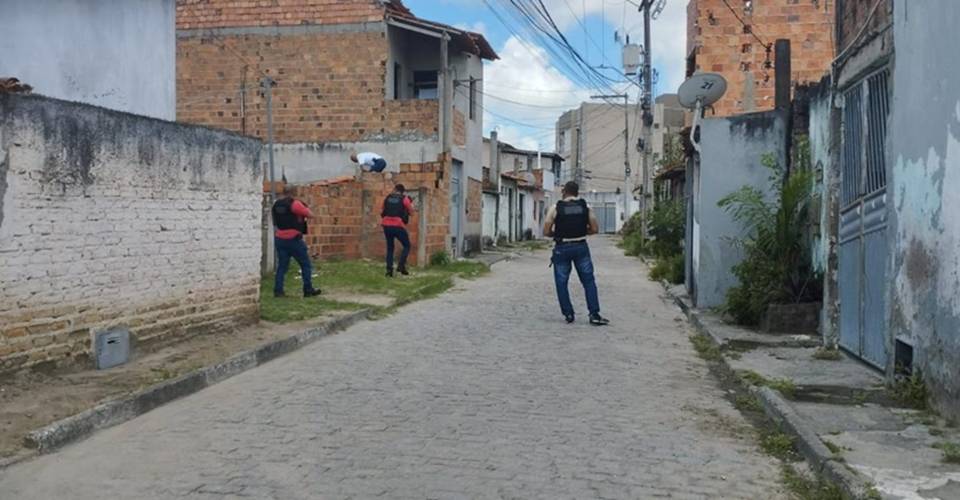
[
  {"x": 397, "y": 208},
  {"x": 569, "y": 223},
  {"x": 289, "y": 218}
]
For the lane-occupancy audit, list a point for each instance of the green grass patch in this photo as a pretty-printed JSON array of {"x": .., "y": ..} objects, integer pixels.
[
  {"x": 951, "y": 452},
  {"x": 785, "y": 386},
  {"x": 805, "y": 488},
  {"x": 826, "y": 354},
  {"x": 747, "y": 402},
  {"x": 910, "y": 391},
  {"x": 705, "y": 348},
  {"x": 778, "y": 444},
  {"x": 359, "y": 277},
  {"x": 833, "y": 447}
]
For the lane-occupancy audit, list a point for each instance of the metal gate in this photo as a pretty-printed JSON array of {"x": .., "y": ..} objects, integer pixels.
[
  {"x": 863, "y": 220},
  {"x": 456, "y": 200},
  {"x": 607, "y": 217}
]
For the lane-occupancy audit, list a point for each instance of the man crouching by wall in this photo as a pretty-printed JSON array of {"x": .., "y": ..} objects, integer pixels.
[{"x": 290, "y": 219}]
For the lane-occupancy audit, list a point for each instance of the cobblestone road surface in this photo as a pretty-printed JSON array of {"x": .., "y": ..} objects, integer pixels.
[{"x": 481, "y": 393}]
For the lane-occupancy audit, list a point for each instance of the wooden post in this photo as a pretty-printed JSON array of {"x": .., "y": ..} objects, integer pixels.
[
  {"x": 422, "y": 206},
  {"x": 782, "y": 73}
]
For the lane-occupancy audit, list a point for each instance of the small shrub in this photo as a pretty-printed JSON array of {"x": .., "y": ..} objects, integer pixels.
[
  {"x": 441, "y": 258},
  {"x": 778, "y": 444},
  {"x": 776, "y": 265},
  {"x": 828, "y": 354},
  {"x": 951, "y": 452},
  {"x": 670, "y": 269},
  {"x": 910, "y": 391},
  {"x": 633, "y": 244}
]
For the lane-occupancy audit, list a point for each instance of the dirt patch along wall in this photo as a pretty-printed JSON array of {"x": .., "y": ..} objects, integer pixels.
[{"x": 111, "y": 219}]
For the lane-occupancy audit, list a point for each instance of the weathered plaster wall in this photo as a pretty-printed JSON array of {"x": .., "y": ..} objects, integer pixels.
[
  {"x": 310, "y": 162},
  {"x": 119, "y": 54},
  {"x": 824, "y": 159},
  {"x": 925, "y": 151},
  {"x": 110, "y": 219},
  {"x": 731, "y": 157}
]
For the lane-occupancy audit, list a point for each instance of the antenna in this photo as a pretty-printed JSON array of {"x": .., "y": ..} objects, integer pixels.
[{"x": 702, "y": 89}]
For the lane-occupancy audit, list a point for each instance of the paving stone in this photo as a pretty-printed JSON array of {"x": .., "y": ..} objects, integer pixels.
[{"x": 483, "y": 392}]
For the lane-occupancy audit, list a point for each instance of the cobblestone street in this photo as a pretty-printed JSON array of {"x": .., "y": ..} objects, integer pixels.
[{"x": 483, "y": 392}]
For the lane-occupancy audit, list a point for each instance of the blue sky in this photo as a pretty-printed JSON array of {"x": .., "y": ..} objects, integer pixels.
[{"x": 529, "y": 73}]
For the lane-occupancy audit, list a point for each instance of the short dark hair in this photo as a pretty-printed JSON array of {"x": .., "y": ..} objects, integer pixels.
[
  {"x": 572, "y": 188},
  {"x": 399, "y": 188},
  {"x": 288, "y": 190}
]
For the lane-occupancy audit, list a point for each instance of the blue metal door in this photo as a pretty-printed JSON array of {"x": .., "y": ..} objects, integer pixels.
[{"x": 863, "y": 247}]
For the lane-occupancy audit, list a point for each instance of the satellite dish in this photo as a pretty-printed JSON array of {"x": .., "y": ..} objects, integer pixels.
[
  {"x": 703, "y": 88},
  {"x": 700, "y": 90}
]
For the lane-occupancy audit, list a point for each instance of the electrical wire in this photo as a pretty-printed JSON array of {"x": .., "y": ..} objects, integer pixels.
[{"x": 745, "y": 25}]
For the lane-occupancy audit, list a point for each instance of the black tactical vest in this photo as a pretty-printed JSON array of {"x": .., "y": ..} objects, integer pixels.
[
  {"x": 393, "y": 207},
  {"x": 284, "y": 218},
  {"x": 572, "y": 221}
]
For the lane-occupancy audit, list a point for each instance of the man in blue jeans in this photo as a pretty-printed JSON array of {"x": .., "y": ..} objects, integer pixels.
[
  {"x": 395, "y": 214},
  {"x": 569, "y": 223},
  {"x": 289, "y": 217}
]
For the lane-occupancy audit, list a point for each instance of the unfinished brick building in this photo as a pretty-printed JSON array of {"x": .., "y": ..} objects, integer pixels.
[
  {"x": 730, "y": 37},
  {"x": 351, "y": 76}
]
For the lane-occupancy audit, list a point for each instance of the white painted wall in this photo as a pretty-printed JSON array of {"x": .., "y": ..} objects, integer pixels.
[{"x": 118, "y": 54}]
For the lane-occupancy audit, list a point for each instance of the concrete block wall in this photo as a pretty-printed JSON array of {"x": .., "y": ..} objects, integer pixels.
[
  {"x": 722, "y": 45},
  {"x": 110, "y": 219}
]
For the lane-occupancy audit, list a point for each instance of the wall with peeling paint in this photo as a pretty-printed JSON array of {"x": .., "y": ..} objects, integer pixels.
[
  {"x": 733, "y": 149},
  {"x": 303, "y": 163},
  {"x": 924, "y": 146},
  {"x": 119, "y": 54}
]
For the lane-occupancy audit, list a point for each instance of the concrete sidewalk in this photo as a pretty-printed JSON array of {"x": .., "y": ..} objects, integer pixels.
[{"x": 845, "y": 414}]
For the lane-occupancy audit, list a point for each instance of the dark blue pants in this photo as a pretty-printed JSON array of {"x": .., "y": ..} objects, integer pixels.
[
  {"x": 574, "y": 255},
  {"x": 378, "y": 165},
  {"x": 297, "y": 249},
  {"x": 398, "y": 233}
]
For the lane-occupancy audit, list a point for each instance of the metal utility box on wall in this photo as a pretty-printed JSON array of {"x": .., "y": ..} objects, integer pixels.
[{"x": 111, "y": 348}]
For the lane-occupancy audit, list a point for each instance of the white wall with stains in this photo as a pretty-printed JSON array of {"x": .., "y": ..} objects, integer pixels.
[
  {"x": 118, "y": 54},
  {"x": 924, "y": 143}
]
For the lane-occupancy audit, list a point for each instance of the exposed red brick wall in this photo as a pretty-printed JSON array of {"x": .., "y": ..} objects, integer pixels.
[
  {"x": 330, "y": 87},
  {"x": 474, "y": 200},
  {"x": 724, "y": 47},
  {"x": 232, "y": 13},
  {"x": 347, "y": 212},
  {"x": 459, "y": 128}
]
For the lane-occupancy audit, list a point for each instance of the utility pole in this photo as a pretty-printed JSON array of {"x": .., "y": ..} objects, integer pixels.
[
  {"x": 578, "y": 173},
  {"x": 267, "y": 83},
  {"x": 626, "y": 148},
  {"x": 646, "y": 104}
]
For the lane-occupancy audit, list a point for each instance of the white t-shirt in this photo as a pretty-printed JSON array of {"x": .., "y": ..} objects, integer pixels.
[{"x": 367, "y": 159}]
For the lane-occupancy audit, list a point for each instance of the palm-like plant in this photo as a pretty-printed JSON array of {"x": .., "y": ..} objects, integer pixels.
[{"x": 776, "y": 265}]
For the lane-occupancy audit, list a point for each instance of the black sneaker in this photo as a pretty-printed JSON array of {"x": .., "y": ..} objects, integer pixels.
[
  {"x": 389, "y": 273},
  {"x": 570, "y": 318},
  {"x": 311, "y": 293},
  {"x": 597, "y": 320},
  {"x": 403, "y": 271},
  {"x": 279, "y": 295}
]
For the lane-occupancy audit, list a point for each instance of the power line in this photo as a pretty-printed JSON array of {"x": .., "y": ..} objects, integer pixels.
[{"x": 745, "y": 25}]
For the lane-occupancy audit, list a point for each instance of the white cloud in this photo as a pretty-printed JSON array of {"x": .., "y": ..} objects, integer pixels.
[
  {"x": 524, "y": 87},
  {"x": 477, "y": 27}
]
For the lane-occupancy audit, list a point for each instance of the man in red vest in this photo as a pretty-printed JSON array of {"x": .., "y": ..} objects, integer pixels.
[
  {"x": 289, "y": 217},
  {"x": 397, "y": 208}
]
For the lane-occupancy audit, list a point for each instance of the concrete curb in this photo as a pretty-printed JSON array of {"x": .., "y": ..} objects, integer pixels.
[
  {"x": 778, "y": 409},
  {"x": 82, "y": 425}
]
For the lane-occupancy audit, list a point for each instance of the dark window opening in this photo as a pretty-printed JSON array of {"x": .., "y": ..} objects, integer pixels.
[
  {"x": 473, "y": 98},
  {"x": 397, "y": 81},
  {"x": 425, "y": 85}
]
